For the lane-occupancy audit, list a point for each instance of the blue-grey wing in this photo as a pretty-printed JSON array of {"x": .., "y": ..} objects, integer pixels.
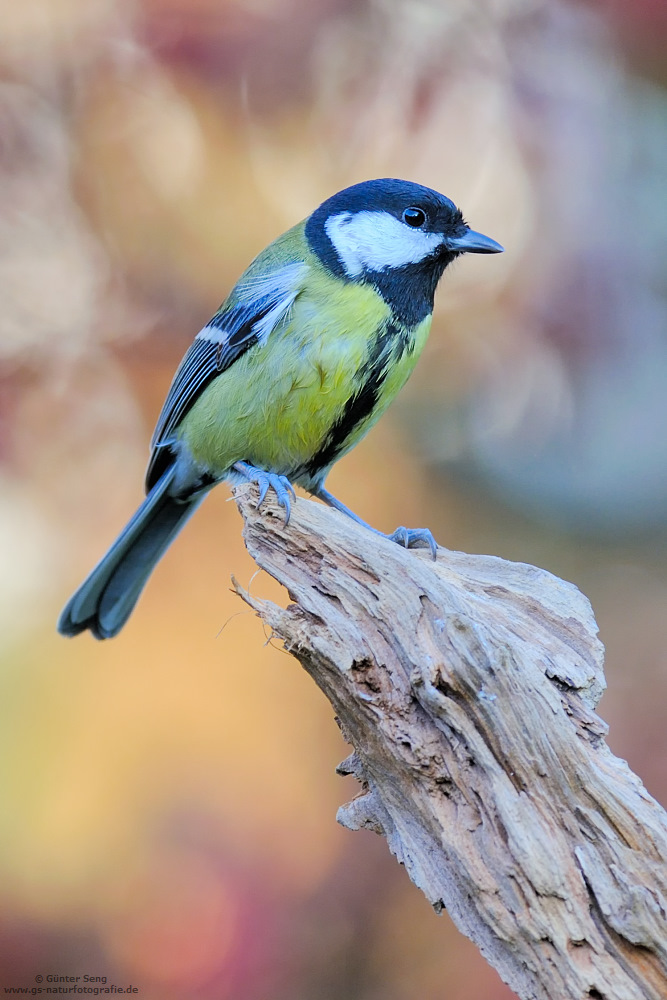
[{"x": 246, "y": 319}]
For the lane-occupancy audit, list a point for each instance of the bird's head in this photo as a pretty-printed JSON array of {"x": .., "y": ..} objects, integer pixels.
[{"x": 396, "y": 235}]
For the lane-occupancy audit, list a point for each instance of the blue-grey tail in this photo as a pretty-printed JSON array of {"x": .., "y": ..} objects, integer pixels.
[{"x": 106, "y": 598}]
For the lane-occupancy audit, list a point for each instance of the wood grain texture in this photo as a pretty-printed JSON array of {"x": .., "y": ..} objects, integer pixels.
[{"x": 468, "y": 687}]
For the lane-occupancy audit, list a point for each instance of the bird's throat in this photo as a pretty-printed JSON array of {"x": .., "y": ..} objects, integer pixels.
[{"x": 409, "y": 291}]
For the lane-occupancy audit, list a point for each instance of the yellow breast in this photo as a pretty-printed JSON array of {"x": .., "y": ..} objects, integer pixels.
[{"x": 276, "y": 405}]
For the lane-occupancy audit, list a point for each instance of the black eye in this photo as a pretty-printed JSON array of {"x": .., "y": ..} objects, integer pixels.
[{"x": 414, "y": 217}]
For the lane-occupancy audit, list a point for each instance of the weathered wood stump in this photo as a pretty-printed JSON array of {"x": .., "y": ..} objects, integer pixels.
[{"x": 467, "y": 687}]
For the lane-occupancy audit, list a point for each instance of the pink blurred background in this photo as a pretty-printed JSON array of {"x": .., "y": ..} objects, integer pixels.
[{"x": 170, "y": 797}]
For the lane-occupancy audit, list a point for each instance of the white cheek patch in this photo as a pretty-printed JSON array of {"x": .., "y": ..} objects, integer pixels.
[{"x": 377, "y": 241}]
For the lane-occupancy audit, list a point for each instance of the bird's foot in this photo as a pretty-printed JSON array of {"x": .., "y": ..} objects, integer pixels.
[
  {"x": 280, "y": 485},
  {"x": 408, "y": 537},
  {"x": 411, "y": 538}
]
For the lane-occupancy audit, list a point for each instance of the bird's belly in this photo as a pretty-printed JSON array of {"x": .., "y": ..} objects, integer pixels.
[
  {"x": 294, "y": 404},
  {"x": 276, "y": 404}
]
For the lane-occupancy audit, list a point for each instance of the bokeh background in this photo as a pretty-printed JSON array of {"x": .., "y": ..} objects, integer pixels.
[{"x": 169, "y": 797}]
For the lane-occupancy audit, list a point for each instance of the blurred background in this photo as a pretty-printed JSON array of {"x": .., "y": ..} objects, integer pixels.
[{"x": 170, "y": 797}]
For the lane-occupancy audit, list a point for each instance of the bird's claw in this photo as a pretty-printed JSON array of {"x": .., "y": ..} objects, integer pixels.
[
  {"x": 413, "y": 537},
  {"x": 408, "y": 537},
  {"x": 280, "y": 485}
]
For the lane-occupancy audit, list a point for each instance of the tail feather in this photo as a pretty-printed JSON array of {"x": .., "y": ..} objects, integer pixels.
[{"x": 105, "y": 599}]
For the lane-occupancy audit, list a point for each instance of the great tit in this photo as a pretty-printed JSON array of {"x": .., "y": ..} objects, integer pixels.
[{"x": 297, "y": 364}]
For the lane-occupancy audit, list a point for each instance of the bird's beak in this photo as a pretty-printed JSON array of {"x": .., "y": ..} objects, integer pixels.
[{"x": 472, "y": 242}]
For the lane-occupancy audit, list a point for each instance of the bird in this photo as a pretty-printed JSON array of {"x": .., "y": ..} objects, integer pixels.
[{"x": 304, "y": 355}]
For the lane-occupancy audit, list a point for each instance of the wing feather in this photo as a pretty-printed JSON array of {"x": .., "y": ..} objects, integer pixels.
[{"x": 254, "y": 309}]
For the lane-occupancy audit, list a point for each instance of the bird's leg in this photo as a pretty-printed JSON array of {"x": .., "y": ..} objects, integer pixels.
[
  {"x": 268, "y": 480},
  {"x": 409, "y": 537}
]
